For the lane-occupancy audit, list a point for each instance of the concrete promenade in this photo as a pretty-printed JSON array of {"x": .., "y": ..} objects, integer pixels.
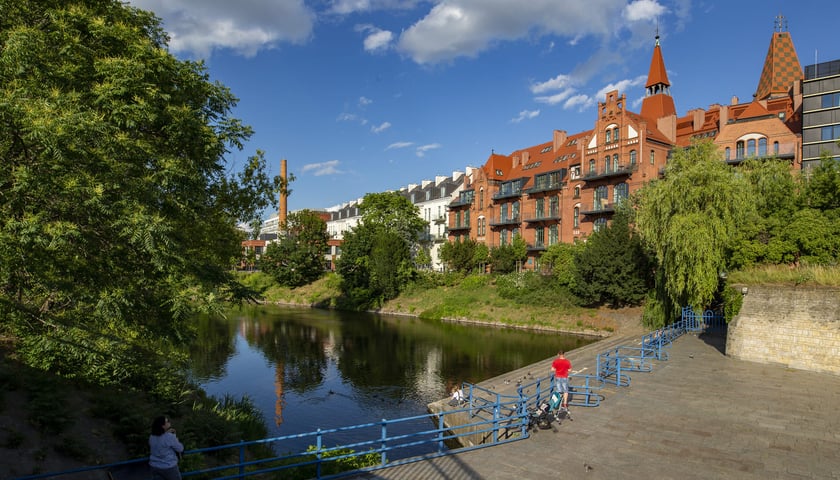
[{"x": 698, "y": 415}]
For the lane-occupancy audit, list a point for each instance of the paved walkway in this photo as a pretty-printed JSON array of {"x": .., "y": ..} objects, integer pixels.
[{"x": 699, "y": 415}]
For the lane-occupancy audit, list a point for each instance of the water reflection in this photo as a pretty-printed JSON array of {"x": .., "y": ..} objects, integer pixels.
[{"x": 307, "y": 369}]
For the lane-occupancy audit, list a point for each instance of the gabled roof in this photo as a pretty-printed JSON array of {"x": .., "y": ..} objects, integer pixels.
[
  {"x": 754, "y": 110},
  {"x": 781, "y": 67}
]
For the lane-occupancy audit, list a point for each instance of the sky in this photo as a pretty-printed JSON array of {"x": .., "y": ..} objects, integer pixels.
[{"x": 365, "y": 96}]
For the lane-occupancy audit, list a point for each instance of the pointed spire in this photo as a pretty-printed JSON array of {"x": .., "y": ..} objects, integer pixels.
[
  {"x": 781, "y": 66},
  {"x": 658, "y": 102}
]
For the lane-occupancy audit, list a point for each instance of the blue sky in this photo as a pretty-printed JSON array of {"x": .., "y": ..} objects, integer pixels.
[{"x": 370, "y": 95}]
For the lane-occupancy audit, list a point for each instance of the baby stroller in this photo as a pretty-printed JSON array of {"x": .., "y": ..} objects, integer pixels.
[{"x": 541, "y": 416}]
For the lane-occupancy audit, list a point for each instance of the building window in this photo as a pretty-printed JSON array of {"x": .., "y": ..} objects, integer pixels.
[
  {"x": 615, "y": 162},
  {"x": 739, "y": 150},
  {"x": 554, "y": 206},
  {"x": 515, "y": 211},
  {"x": 591, "y": 165},
  {"x": 830, "y": 132},
  {"x": 615, "y": 134},
  {"x": 577, "y": 191},
  {"x": 466, "y": 218},
  {"x": 540, "y": 207},
  {"x": 620, "y": 192},
  {"x": 751, "y": 147},
  {"x": 775, "y": 148},
  {"x": 553, "y": 238},
  {"x": 830, "y": 100},
  {"x": 481, "y": 199},
  {"x": 607, "y": 164},
  {"x": 726, "y": 154},
  {"x": 762, "y": 147},
  {"x": 652, "y": 157},
  {"x": 601, "y": 198},
  {"x": 576, "y": 218},
  {"x": 504, "y": 212},
  {"x": 632, "y": 158},
  {"x": 608, "y": 139},
  {"x": 457, "y": 219},
  {"x": 540, "y": 237},
  {"x": 600, "y": 224}
]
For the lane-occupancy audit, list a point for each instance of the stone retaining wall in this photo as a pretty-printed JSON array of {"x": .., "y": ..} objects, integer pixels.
[{"x": 797, "y": 327}]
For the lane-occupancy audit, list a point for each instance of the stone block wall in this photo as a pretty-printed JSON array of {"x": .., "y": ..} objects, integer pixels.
[{"x": 796, "y": 327}]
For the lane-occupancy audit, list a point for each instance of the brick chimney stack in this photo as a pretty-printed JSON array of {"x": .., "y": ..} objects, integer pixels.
[{"x": 281, "y": 210}]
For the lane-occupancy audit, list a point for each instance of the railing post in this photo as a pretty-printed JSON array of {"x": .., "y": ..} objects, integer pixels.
[
  {"x": 318, "y": 454},
  {"x": 241, "y": 459},
  {"x": 383, "y": 456},
  {"x": 496, "y": 408},
  {"x": 441, "y": 424}
]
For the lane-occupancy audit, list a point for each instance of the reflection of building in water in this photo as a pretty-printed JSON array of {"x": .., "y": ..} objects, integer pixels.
[{"x": 279, "y": 377}]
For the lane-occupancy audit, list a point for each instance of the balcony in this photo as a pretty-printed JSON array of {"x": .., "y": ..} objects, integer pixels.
[
  {"x": 621, "y": 170},
  {"x": 537, "y": 247},
  {"x": 514, "y": 220},
  {"x": 599, "y": 209},
  {"x": 787, "y": 151},
  {"x": 463, "y": 226},
  {"x": 547, "y": 187},
  {"x": 432, "y": 237},
  {"x": 460, "y": 203},
  {"x": 553, "y": 217},
  {"x": 507, "y": 194},
  {"x": 439, "y": 220}
]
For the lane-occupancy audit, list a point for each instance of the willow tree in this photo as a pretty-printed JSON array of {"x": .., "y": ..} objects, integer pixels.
[
  {"x": 118, "y": 210},
  {"x": 689, "y": 218}
]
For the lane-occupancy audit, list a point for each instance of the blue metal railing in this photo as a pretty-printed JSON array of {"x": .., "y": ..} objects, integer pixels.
[{"x": 495, "y": 419}]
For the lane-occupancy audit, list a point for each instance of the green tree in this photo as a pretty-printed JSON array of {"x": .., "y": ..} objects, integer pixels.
[
  {"x": 394, "y": 212},
  {"x": 613, "y": 266},
  {"x": 559, "y": 260},
  {"x": 690, "y": 219},
  {"x": 297, "y": 257},
  {"x": 117, "y": 215},
  {"x": 506, "y": 258},
  {"x": 463, "y": 255}
]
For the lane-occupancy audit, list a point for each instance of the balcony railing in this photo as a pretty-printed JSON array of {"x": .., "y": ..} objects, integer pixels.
[
  {"x": 460, "y": 203},
  {"x": 552, "y": 217},
  {"x": 536, "y": 246},
  {"x": 513, "y": 220},
  {"x": 787, "y": 151},
  {"x": 440, "y": 219},
  {"x": 609, "y": 172},
  {"x": 460, "y": 226},
  {"x": 507, "y": 194},
  {"x": 600, "y": 208},
  {"x": 546, "y": 187}
]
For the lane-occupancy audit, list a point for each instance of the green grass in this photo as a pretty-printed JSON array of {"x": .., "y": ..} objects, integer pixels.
[{"x": 826, "y": 276}]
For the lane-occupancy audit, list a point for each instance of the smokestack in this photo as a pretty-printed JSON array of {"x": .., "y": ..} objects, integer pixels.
[{"x": 281, "y": 210}]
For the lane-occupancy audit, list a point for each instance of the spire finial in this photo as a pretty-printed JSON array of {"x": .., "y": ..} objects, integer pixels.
[
  {"x": 780, "y": 24},
  {"x": 657, "y": 32}
]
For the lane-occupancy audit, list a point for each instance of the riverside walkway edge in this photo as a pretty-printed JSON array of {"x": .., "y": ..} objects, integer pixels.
[{"x": 698, "y": 415}]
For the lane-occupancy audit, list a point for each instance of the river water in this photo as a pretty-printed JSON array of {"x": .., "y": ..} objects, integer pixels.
[{"x": 306, "y": 369}]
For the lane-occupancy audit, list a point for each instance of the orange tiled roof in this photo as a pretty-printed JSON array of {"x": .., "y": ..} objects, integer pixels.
[
  {"x": 781, "y": 67},
  {"x": 657, "y": 73},
  {"x": 755, "y": 109}
]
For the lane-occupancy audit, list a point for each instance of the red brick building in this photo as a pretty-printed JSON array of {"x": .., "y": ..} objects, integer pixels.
[{"x": 566, "y": 188}]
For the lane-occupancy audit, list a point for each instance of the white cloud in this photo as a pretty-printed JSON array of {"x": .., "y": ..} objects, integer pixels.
[
  {"x": 345, "y": 7},
  {"x": 643, "y": 10},
  {"x": 324, "y": 168},
  {"x": 378, "y": 40},
  {"x": 556, "y": 98},
  {"x": 351, "y": 117},
  {"x": 399, "y": 145},
  {"x": 198, "y": 27},
  {"x": 559, "y": 82},
  {"x": 421, "y": 150},
  {"x": 464, "y": 28},
  {"x": 580, "y": 101},
  {"x": 621, "y": 86},
  {"x": 380, "y": 128},
  {"x": 525, "y": 114},
  {"x": 364, "y": 101}
]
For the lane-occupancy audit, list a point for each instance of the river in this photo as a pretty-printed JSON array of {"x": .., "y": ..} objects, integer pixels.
[{"x": 306, "y": 369}]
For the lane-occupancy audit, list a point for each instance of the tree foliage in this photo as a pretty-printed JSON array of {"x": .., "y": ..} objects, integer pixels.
[
  {"x": 394, "y": 212},
  {"x": 506, "y": 258},
  {"x": 690, "y": 220},
  {"x": 117, "y": 214},
  {"x": 297, "y": 257},
  {"x": 463, "y": 255},
  {"x": 613, "y": 266}
]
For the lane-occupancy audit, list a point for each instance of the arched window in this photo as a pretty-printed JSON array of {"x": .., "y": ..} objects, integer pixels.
[
  {"x": 608, "y": 139},
  {"x": 615, "y": 134},
  {"x": 762, "y": 147},
  {"x": 576, "y": 218},
  {"x": 751, "y": 147},
  {"x": 632, "y": 157},
  {"x": 739, "y": 150},
  {"x": 775, "y": 148},
  {"x": 577, "y": 191}
]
